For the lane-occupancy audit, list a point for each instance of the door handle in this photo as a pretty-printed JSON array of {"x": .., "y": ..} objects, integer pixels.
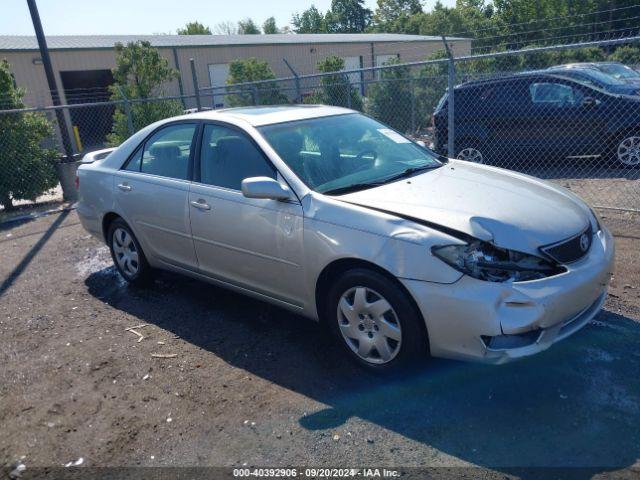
[
  {"x": 201, "y": 205},
  {"x": 124, "y": 187}
]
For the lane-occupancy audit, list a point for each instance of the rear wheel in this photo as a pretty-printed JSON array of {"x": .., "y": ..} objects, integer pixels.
[
  {"x": 127, "y": 253},
  {"x": 375, "y": 322}
]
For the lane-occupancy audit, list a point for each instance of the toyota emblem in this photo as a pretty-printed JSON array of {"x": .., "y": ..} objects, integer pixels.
[{"x": 584, "y": 242}]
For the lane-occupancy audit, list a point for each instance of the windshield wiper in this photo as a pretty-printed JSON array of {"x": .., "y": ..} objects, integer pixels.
[
  {"x": 408, "y": 172},
  {"x": 351, "y": 188},
  {"x": 362, "y": 186}
]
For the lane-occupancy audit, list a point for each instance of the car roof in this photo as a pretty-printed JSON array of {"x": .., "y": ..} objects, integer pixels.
[
  {"x": 268, "y": 115},
  {"x": 511, "y": 77}
]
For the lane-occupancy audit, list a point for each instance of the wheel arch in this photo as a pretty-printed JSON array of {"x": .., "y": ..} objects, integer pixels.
[
  {"x": 107, "y": 220},
  {"x": 341, "y": 265}
]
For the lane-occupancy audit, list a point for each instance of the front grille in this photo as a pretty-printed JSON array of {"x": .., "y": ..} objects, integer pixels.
[{"x": 572, "y": 249}]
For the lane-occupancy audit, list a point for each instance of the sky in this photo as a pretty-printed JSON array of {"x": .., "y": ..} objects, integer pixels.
[{"x": 92, "y": 17}]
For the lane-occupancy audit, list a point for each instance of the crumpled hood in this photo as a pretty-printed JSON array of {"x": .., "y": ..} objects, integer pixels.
[{"x": 512, "y": 210}]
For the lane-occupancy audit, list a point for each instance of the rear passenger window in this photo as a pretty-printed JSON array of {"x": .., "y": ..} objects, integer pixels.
[
  {"x": 166, "y": 153},
  {"x": 227, "y": 157}
]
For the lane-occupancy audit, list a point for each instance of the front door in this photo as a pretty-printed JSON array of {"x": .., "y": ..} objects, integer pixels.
[
  {"x": 251, "y": 243},
  {"x": 152, "y": 191}
]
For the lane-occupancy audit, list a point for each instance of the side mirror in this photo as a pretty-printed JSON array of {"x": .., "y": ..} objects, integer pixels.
[{"x": 265, "y": 187}]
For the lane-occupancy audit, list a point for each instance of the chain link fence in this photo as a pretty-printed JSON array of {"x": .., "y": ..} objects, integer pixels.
[
  {"x": 576, "y": 126},
  {"x": 507, "y": 110}
]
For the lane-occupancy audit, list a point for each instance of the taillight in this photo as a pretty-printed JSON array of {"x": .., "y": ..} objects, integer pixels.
[{"x": 77, "y": 182}]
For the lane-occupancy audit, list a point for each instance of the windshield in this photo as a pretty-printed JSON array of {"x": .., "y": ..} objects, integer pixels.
[
  {"x": 618, "y": 71},
  {"x": 341, "y": 151}
]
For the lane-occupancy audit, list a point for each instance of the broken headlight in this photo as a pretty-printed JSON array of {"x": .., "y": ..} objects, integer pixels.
[{"x": 487, "y": 262}]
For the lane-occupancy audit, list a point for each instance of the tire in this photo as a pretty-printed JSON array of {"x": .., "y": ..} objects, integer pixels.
[
  {"x": 471, "y": 151},
  {"x": 360, "y": 326},
  {"x": 626, "y": 151},
  {"x": 127, "y": 254}
]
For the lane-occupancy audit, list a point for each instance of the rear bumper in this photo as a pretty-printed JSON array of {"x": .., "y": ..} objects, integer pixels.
[{"x": 496, "y": 322}]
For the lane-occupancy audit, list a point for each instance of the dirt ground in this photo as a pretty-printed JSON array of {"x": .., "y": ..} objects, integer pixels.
[{"x": 251, "y": 385}]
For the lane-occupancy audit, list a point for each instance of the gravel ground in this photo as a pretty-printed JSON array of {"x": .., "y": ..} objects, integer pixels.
[{"x": 253, "y": 385}]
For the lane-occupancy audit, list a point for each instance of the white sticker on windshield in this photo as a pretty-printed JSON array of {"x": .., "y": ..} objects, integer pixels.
[{"x": 396, "y": 137}]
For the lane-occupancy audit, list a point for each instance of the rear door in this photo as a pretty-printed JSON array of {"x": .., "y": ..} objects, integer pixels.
[
  {"x": 152, "y": 191},
  {"x": 251, "y": 243}
]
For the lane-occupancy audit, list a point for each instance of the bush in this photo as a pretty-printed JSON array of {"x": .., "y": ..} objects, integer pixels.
[
  {"x": 627, "y": 54},
  {"x": 253, "y": 70},
  {"x": 26, "y": 169}
]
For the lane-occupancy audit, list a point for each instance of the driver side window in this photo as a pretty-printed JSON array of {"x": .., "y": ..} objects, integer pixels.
[{"x": 228, "y": 156}]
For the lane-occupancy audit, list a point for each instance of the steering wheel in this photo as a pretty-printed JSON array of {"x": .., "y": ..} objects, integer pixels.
[{"x": 360, "y": 156}]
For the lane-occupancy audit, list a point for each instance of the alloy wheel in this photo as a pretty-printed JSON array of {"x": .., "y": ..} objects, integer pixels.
[
  {"x": 126, "y": 252},
  {"x": 629, "y": 151},
  {"x": 369, "y": 325},
  {"x": 471, "y": 154}
]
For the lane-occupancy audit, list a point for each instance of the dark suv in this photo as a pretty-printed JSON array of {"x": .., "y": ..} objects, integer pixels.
[{"x": 534, "y": 116}]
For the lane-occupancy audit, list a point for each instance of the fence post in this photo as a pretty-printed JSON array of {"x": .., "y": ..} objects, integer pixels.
[
  {"x": 297, "y": 80},
  {"x": 254, "y": 94},
  {"x": 348, "y": 85},
  {"x": 127, "y": 110},
  {"x": 412, "y": 89},
  {"x": 451, "y": 79},
  {"x": 196, "y": 88}
]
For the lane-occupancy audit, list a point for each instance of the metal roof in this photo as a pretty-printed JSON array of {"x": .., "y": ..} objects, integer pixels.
[{"x": 71, "y": 42}]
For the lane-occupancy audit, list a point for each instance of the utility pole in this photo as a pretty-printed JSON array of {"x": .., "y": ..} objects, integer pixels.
[{"x": 51, "y": 79}]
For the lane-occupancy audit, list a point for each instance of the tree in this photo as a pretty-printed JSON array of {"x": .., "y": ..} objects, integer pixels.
[
  {"x": 347, "y": 16},
  {"x": 394, "y": 15},
  {"x": 226, "y": 28},
  {"x": 26, "y": 169},
  {"x": 335, "y": 89},
  {"x": 248, "y": 27},
  {"x": 194, "y": 28},
  {"x": 311, "y": 21},
  {"x": 253, "y": 70},
  {"x": 269, "y": 26},
  {"x": 140, "y": 73}
]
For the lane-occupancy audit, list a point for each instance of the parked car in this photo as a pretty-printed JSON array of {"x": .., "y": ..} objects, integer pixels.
[
  {"x": 597, "y": 78},
  {"x": 332, "y": 215},
  {"x": 537, "y": 116},
  {"x": 616, "y": 70}
]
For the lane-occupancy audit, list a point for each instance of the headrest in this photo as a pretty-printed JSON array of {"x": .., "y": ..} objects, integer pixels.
[{"x": 159, "y": 150}]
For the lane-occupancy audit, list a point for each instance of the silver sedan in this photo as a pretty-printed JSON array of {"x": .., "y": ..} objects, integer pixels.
[{"x": 330, "y": 214}]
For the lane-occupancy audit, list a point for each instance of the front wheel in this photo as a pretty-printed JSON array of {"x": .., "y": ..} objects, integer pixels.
[{"x": 375, "y": 322}]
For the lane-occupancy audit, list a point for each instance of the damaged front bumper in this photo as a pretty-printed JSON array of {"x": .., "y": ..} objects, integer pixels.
[{"x": 498, "y": 322}]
